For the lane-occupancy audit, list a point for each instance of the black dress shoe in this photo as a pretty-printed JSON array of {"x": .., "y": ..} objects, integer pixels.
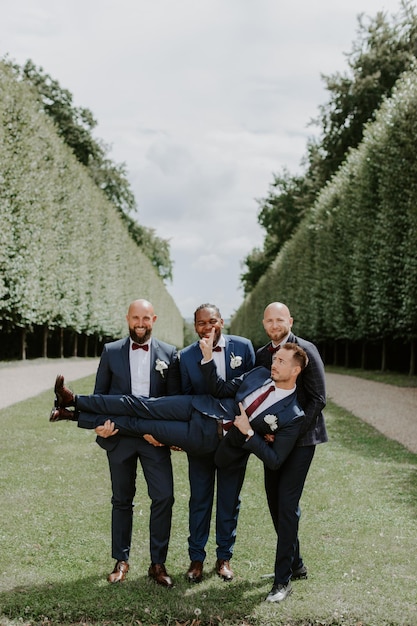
[
  {"x": 118, "y": 575},
  {"x": 224, "y": 570},
  {"x": 195, "y": 572},
  {"x": 159, "y": 574},
  {"x": 60, "y": 414},
  {"x": 299, "y": 573},
  {"x": 64, "y": 396}
]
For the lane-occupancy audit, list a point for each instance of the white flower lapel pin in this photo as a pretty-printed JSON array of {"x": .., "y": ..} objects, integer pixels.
[
  {"x": 272, "y": 421},
  {"x": 160, "y": 366},
  {"x": 235, "y": 361}
]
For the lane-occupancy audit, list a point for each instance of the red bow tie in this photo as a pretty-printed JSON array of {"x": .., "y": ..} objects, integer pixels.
[
  {"x": 136, "y": 346},
  {"x": 273, "y": 349},
  {"x": 217, "y": 349}
]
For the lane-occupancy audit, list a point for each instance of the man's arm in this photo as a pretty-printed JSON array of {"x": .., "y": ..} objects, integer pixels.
[
  {"x": 173, "y": 385},
  {"x": 104, "y": 374},
  {"x": 312, "y": 394},
  {"x": 272, "y": 455}
]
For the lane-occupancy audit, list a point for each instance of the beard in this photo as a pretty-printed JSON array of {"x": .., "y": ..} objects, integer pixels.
[{"x": 140, "y": 338}]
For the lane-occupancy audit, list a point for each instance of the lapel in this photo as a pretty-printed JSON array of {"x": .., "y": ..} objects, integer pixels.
[
  {"x": 124, "y": 353},
  {"x": 278, "y": 410},
  {"x": 153, "y": 374},
  {"x": 228, "y": 349}
]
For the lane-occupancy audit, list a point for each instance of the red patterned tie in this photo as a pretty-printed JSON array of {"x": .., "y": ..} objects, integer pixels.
[
  {"x": 136, "y": 346},
  {"x": 258, "y": 401},
  {"x": 217, "y": 349},
  {"x": 252, "y": 407}
]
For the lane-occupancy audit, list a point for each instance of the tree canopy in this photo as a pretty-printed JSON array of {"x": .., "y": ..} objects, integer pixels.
[
  {"x": 385, "y": 48},
  {"x": 75, "y": 126}
]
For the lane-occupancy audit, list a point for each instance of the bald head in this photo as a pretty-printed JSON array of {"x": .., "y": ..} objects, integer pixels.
[
  {"x": 277, "y": 321},
  {"x": 140, "y": 319}
]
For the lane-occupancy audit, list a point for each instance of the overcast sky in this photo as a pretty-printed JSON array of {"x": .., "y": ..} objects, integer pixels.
[{"x": 203, "y": 100}]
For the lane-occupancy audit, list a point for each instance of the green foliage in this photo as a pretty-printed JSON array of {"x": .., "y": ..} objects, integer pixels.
[
  {"x": 384, "y": 49},
  {"x": 350, "y": 271},
  {"x": 75, "y": 126},
  {"x": 357, "y": 532},
  {"x": 279, "y": 214},
  {"x": 66, "y": 257}
]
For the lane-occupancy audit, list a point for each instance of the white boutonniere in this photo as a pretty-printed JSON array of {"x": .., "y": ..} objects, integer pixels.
[
  {"x": 235, "y": 361},
  {"x": 272, "y": 421},
  {"x": 160, "y": 366}
]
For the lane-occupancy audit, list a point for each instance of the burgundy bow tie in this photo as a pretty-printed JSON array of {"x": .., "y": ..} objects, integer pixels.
[
  {"x": 217, "y": 349},
  {"x": 136, "y": 346},
  {"x": 272, "y": 349}
]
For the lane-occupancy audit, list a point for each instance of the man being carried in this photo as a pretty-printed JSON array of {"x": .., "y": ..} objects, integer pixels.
[{"x": 263, "y": 403}]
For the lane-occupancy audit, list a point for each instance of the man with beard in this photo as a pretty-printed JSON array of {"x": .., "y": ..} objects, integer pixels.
[
  {"x": 142, "y": 365},
  {"x": 285, "y": 485}
]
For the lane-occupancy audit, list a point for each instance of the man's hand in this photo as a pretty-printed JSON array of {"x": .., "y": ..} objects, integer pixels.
[
  {"x": 242, "y": 420},
  {"x": 106, "y": 430},
  {"x": 206, "y": 346},
  {"x": 153, "y": 441}
]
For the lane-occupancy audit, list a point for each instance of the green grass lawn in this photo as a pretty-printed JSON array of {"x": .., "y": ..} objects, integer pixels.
[{"x": 358, "y": 534}]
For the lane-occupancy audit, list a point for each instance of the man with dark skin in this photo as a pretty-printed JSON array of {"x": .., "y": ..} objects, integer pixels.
[{"x": 233, "y": 356}]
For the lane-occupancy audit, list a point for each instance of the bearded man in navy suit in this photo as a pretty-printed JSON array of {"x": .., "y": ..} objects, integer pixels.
[
  {"x": 232, "y": 356},
  {"x": 142, "y": 365},
  {"x": 267, "y": 399}
]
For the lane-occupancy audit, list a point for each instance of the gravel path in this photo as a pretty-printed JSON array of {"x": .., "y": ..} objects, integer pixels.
[
  {"x": 21, "y": 380},
  {"x": 392, "y": 410}
]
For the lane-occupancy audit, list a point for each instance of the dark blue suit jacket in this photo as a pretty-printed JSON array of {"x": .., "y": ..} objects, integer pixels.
[
  {"x": 113, "y": 374},
  {"x": 288, "y": 412},
  {"x": 192, "y": 379},
  {"x": 311, "y": 390}
]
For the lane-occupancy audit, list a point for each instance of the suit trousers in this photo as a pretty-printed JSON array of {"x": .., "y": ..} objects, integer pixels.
[
  {"x": 283, "y": 490},
  {"x": 157, "y": 470},
  {"x": 202, "y": 475}
]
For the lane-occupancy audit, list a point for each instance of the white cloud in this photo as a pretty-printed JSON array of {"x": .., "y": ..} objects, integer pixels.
[{"x": 203, "y": 101}]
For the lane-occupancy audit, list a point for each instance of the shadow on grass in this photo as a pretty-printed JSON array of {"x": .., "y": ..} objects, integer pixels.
[{"x": 138, "y": 601}]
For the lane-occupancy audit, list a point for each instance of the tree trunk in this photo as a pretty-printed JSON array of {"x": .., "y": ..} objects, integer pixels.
[
  {"x": 61, "y": 343},
  {"x": 363, "y": 355},
  {"x": 23, "y": 344},
  {"x": 45, "y": 342},
  {"x": 412, "y": 369},
  {"x": 347, "y": 353},
  {"x": 75, "y": 347},
  {"x": 384, "y": 355}
]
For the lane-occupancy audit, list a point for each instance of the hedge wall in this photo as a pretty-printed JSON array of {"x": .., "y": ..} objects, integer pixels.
[{"x": 66, "y": 259}]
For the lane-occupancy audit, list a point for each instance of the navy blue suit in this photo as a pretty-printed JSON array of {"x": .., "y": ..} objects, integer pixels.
[
  {"x": 113, "y": 377},
  {"x": 191, "y": 421},
  {"x": 285, "y": 485},
  {"x": 202, "y": 469}
]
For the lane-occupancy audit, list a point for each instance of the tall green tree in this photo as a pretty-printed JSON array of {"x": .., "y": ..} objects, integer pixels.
[
  {"x": 75, "y": 126},
  {"x": 384, "y": 49},
  {"x": 279, "y": 214}
]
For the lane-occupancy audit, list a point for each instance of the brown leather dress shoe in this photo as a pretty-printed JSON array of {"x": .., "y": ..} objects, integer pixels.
[
  {"x": 159, "y": 574},
  {"x": 224, "y": 570},
  {"x": 59, "y": 414},
  {"x": 195, "y": 572},
  {"x": 118, "y": 575},
  {"x": 64, "y": 396}
]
